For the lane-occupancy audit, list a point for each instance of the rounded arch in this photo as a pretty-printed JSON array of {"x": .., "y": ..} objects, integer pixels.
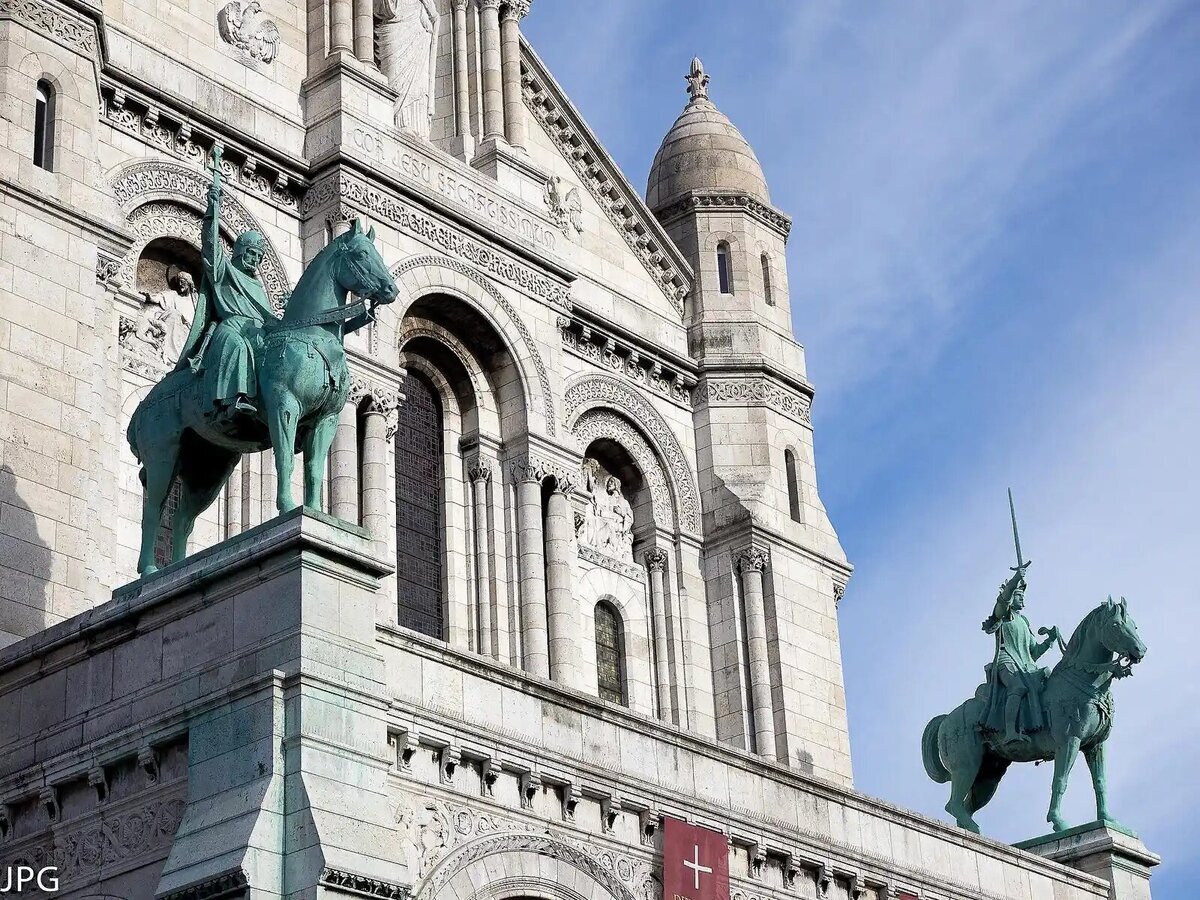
[
  {"x": 165, "y": 199},
  {"x": 590, "y": 392},
  {"x": 599, "y": 424},
  {"x": 421, "y": 276},
  {"x": 465, "y": 874},
  {"x": 416, "y": 328},
  {"x": 43, "y": 67}
]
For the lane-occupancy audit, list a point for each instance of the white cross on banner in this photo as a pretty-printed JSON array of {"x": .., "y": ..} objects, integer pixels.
[{"x": 695, "y": 862}]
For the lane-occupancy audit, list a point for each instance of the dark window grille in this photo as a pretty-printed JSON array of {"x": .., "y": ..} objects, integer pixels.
[
  {"x": 166, "y": 527},
  {"x": 419, "y": 513},
  {"x": 610, "y": 654},
  {"x": 768, "y": 291},
  {"x": 724, "y": 269},
  {"x": 789, "y": 461}
]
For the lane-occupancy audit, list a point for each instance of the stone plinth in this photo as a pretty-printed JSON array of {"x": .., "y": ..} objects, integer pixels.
[{"x": 1106, "y": 851}]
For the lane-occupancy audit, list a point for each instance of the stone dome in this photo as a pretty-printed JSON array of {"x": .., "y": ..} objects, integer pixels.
[{"x": 703, "y": 152}]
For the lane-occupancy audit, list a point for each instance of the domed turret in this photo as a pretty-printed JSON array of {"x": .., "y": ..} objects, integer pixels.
[{"x": 703, "y": 152}]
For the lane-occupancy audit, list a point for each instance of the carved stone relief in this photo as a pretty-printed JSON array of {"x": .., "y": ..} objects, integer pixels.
[
  {"x": 602, "y": 390},
  {"x": 756, "y": 392},
  {"x": 243, "y": 25},
  {"x": 608, "y": 517},
  {"x": 154, "y": 340},
  {"x": 565, "y": 205},
  {"x": 406, "y": 33}
]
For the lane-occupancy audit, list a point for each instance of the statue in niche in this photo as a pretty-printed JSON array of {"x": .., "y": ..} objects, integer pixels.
[
  {"x": 160, "y": 332},
  {"x": 608, "y": 522},
  {"x": 406, "y": 33}
]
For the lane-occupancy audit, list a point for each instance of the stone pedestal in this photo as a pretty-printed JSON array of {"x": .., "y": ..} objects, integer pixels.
[{"x": 1114, "y": 854}]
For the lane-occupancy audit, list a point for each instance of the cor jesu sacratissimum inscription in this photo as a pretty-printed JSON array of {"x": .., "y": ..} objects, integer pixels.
[{"x": 453, "y": 186}]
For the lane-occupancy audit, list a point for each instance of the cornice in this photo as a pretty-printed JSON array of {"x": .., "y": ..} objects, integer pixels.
[
  {"x": 633, "y": 360},
  {"x": 719, "y": 201},
  {"x": 623, "y": 205}
]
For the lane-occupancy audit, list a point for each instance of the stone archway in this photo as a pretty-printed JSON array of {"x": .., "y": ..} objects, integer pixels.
[{"x": 464, "y": 873}]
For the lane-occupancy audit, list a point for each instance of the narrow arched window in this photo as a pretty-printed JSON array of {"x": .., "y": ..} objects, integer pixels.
[
  {"x": 610, "y": 654},
  {"x": 768, "y": 292},
  {"x": 43, "y": 126},
  {"x": 793, "y": 483},
  {"x": 724, "y": 269}
]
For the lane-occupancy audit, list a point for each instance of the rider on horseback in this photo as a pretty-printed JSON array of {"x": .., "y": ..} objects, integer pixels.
[
  {"x": 229, "y": 315},
  {"x": 1015, "y": 675}
]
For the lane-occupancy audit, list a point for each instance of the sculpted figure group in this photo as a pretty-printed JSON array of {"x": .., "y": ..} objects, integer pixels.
[{"x": 1022, "y": 713}]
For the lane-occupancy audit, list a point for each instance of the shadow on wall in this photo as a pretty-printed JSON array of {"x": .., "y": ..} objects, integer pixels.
[{"x": 24, "y": 566}]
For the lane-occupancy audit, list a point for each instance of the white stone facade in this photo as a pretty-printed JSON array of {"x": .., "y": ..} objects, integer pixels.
[{"x": 555, "y": 318}]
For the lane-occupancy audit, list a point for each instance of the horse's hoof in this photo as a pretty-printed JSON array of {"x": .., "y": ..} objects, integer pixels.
[{"x": 149, "y": 570}]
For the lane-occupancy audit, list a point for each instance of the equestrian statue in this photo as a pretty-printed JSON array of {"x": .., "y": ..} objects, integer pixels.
[
  {"x": 1022, "y": 713},
  {"x": 247, "y": 380}
]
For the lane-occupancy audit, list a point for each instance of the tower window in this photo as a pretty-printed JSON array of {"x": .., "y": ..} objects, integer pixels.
[
  {"x": 768, "y": 294},
  {"x": 793, "y": 483},
  {"x": 43, "y": 126},
  {"x": 724, "y": 269},
  {"x": 610, "y": 654}
]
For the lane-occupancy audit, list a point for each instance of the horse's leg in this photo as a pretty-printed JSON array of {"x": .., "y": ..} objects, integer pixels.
[
  {"x": 283, "y": 417},
  {"x": 986, "y": 782},
  {"x": 316, "y": 455},
  {"x": 203, "y": 471},
  {"x": 963, "y": 760},
  {"x": 1095, "y": 760},
  {"x": 1064, "y": 759},
  {"x": 158, "y": 471}
]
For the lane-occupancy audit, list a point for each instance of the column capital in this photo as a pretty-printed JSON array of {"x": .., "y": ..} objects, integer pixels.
[
  {"x": 515, "y": 9},
  {"x": 656, "y": 559},
  {"x": 526, "y": 470},
  {"x": 489, "y": 4},
  {"x": 375, "y": 400},
  {"x": 752, "y": 559},
  {"x": 479, "y": 468},
  {"x": 460, "y": 5}
]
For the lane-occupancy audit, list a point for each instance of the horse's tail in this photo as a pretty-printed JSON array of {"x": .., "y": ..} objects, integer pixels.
[{"x": 929, "y": 751}]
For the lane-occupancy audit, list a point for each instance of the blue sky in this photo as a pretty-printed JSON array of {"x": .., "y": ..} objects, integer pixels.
[{"x": 995, "y": 268}]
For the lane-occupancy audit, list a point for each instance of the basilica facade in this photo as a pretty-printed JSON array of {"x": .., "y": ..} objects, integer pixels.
[{"x": 602, "y": 585}]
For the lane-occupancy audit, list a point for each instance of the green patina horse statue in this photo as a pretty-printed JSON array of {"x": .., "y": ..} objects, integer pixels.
[
  {"x": 1078, "y": 708},
  {"x": 303, "y": 383}
]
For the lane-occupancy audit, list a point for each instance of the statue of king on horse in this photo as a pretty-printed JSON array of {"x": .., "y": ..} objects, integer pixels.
[
  {"x": 248, "y": 381},
  {"x": 1022, "y": 714}
]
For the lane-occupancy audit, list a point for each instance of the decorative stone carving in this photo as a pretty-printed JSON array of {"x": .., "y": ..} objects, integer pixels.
[
  {"x": 566, "y": 207},
  {"x": 602, "y": 390},
  {"x": 406, "y": 218},
  {"x": 448, "y": 761},
  {"x": 531, "y": 783},
  {"x": 76, "y": 32},
  {"x": 769, "y": 216},
  {"x": 608, "y": 520},
  {"x": 648, "y": 822},
  {"x": 98, "y": 779},
  {"x": 530, "y": 345},
  {"x": 148, "y": 760},
  {"x": 48, "y": 798},
  {"x": 406, "y": 34},
  {"x": 756, "y": 392},
  {"x": 171, "y": 130},
  {"x": 622, "y": 204},
  {"x": 162, "y": 327},
  {"x": 362, "y": 886},
  {"x": 149, "y": 182},
  {"x": 571, "y": 795},
  {"x": 636, "y": 365},
  {"x": 479, "y": 469},
  {"x": 602, "y": 423},
  {"x": 425, "y": 831},
  {"x": 243, "y": 26},
  {"x": 628, "y": 570},
  {"x": 839, "y": 591},
  {"x": 610, "y": 809},
  {"x": 752, "y": 559},
  {"x": 82, "y": 848},
  {"x": 107, "y": 268}
]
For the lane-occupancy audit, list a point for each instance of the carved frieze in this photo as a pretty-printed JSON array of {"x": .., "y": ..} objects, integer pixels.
[
  {"x": 171, "y": 131},
  {"x": 594, "y": 556},
  {"x": 407, "y": 218},
  {"x": 756, "y": 392},
  {"x": 53, "y": 20},
  {"x": 622, "y": 358},
  {"x": 363, "y": 886},
  {"x": 602, "y": 390},
  {"x": 609, "y": 188},
  {"x": 739, "y": 202}
]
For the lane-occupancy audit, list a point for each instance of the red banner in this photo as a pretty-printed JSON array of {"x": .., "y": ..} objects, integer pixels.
[{"x": 695, "y": 862}]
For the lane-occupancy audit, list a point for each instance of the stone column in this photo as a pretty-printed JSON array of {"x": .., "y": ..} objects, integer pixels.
[
  {"x": 268, "y": 486},
  {"x": 462, "y": 81},
  {"x": 493, "y": 84},
  {"x": 343, "y": 466},
  {"x": 510, "y": 42},
  {"x": 375, "y": 479},
  {"x": 752, "y": 563},
  {"x": 480, "y": 474},
  {"x": 341, "y": 25},
  {"x": 528, "y": 478},
  {"x": 656, "y": 562},
  {"x": 364, "y": 31},
  {"x": 561, "y": 615}
]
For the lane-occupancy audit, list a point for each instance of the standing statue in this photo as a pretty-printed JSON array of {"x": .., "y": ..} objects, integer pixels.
[
  {"x": 168, "y": 316},
  {"x": 608, "y": 523},
  {"x": 1020, "y": 714},
  {"x": 406, "y": 34},
  {"x": 247, "y": 381}
]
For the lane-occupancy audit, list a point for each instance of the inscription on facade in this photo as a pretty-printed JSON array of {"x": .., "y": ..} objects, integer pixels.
[{"x": 454, "y": 187}]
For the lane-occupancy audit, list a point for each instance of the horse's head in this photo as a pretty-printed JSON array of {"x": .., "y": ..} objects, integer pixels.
[
  {"x": 361, "y": 270},
  {"x": 1118, "y": 632}
]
